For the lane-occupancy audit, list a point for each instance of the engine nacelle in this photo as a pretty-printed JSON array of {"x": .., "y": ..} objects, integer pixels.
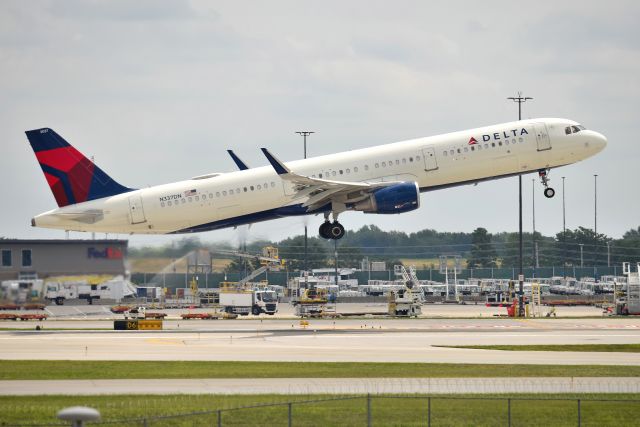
[{"x": 398, "y": 198}]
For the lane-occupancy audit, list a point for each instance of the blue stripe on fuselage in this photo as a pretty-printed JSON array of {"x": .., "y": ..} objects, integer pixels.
[{"x": 285, "y": 211}]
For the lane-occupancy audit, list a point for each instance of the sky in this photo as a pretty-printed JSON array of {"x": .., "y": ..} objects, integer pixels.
[{"x": 157, "y": 91}]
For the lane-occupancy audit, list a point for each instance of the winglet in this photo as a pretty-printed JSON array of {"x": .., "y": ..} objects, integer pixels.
[
  {"x": 241, "y": 165},
  {"x": 280, "y": 168}
]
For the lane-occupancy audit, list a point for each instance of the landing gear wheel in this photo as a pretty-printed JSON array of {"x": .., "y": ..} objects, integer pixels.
[
  {"x": 324, "y": 230},
  {"x": 336, "y": 231},
  {"x": 549, "y": 192}
]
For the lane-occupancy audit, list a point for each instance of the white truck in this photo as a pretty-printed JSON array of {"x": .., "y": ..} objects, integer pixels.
[
  {"x": 89, "y": 288},
  {"x": 248, "y": 301}
]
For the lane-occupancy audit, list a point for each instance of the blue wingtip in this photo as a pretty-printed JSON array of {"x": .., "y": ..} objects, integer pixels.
[
  {"x": 277, "y": 165},
  {"x": 241, "y": 165}
]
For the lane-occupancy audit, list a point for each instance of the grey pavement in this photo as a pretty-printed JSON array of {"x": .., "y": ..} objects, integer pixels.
[{"x": 322, "y": 386}]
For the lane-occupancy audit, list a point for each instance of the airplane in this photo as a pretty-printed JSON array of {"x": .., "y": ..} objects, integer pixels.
[{"x": 385, "y": 179}]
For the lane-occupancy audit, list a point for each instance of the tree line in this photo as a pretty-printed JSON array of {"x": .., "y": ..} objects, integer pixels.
[{"x": 479, "y": 249}]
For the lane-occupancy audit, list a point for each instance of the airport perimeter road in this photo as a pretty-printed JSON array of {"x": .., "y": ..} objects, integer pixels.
[
  {"x": 324, "y": 386},
  {"x": 366, "y": 344}
]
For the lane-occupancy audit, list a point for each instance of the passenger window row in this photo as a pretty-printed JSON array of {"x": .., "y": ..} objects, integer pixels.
[
  {"x": 480, "y": 147},
  {"x": 218, "y": 194},
  {"x": 347, "y": 171}
]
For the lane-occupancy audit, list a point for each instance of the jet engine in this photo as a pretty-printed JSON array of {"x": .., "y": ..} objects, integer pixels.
[{"x": 394, "y": 199}]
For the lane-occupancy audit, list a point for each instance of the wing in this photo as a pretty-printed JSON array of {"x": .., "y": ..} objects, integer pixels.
[{"x": 318, "y": 192}]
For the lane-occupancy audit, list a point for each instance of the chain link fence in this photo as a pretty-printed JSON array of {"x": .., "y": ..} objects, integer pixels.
[{"x": 405, "y": 410}]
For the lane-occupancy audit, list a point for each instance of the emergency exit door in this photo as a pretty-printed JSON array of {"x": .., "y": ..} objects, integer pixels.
[
  {"x": 430, "y": 162},
  {"x": 542, "y": 136},
  {"x": 136, "y": 211}
]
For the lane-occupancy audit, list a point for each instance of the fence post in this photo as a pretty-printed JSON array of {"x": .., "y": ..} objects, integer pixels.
[
  {"x": 219, "y": 418},
  {"x": 144, "y": 422},
  {"x": 509, "y": 410},
  {"x": 579, "y": 415},
  {"x": 368, "y": 409},
  {"x": 429, "y": 411},
  {"x": 290, "y": 414}
]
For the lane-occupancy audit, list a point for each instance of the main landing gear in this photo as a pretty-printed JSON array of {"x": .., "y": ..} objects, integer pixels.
[
  {"x": 548, "y": 191},
  {"x": 331, "y": 230}
]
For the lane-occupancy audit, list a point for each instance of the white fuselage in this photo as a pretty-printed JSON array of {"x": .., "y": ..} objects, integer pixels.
[{"x": 247, "y": 196}]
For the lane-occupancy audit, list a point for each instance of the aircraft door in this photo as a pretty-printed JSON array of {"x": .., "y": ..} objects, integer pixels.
[
  {"x": 136, "y": 211},
  {"x": 542, "y": 137},
  {"x": 430, "y": 162}
]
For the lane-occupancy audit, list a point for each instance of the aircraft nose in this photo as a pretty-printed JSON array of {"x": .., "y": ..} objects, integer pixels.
[{"x": 599, "y": 141}]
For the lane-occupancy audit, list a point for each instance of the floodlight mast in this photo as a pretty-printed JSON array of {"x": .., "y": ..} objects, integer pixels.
[
  {"x": 304, "y": 134},
  {"x": 520, "y": 100}
]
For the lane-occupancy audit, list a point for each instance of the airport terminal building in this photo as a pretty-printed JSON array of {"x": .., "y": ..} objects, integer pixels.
[{"x": 31, "y": 259}]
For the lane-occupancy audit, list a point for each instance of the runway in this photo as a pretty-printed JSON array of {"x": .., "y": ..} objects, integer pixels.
[
  {"x": 352, "y": 340},
  {"x": 340, "y": 386}
]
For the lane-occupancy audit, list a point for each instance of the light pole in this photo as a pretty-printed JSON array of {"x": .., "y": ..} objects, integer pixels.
[
  {"x": 520, "y": 100},
  {"x": 564, "y": 235},
  {"x": 595, "y": 204},
  {"x": 304, "y": 134}
]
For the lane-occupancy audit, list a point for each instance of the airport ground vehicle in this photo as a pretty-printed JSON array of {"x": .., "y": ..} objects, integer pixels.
[
  {"x": 136, "y": 313},
  {"x": 88, "y": 287},
  {"x": 245, "y": 301}
]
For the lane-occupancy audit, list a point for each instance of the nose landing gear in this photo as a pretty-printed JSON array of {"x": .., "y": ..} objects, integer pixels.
[{"x": 548, "y": 191}]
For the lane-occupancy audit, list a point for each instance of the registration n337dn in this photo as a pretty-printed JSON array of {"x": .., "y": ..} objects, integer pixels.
[{"x": 385, "y": 179}]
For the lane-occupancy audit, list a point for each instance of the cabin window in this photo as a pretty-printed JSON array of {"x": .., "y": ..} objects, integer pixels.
[
  {"x": 245, "y": 189},
  {"x": 366, "y": 167},
  {"x": 355, "y": 169},
  {"x": 184, "y": 201},
  {"x": 500, "y": 143},
  {"x": 341, "y": 172},
  {"x": 451, "y": 152},
  {"x": 251, "y": 188},
  {"x": 397, "y": 161},
  {"x": 493, "y": 144},
  {"x": 273, "y": 184},
  {"x": 197, "y": 198},
  {"x": 224, "y": 193},
  {"x": 319, "y": 175},
  {"x": 259, "y": 187},
  {"x": 411, "y": 159},
  {"x": 479, "y": 147},
  {"x": 404, "y": 161},
  {"x": 333, "y": 173},
  {"x": 162, "y": 204},
  {"x": 521, "y": 139},
  {"x": 384, "y": 164},
  {"x": 575, "y": 129},
  {"x": 265, "y": 185},
  {"x": 190, "y": 199},
  {"x": 466, "y": 150},
  {"x": 473, "y": 148},
  {"x": 217, "y": 194},
  {"x": 506, "y": 142},
  {"x": 417, "y": 158},
  {"x": 486, "y": 146},
  {"x": 444, "y": 153},
  {"x": 567, "y": 130}
]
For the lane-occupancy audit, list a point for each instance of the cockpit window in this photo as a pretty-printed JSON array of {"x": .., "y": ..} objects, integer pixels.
[{"x": 573, "y": 129}]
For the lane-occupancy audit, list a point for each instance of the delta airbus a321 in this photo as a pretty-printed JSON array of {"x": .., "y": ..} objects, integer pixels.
[{"x": 386, "y": 179}]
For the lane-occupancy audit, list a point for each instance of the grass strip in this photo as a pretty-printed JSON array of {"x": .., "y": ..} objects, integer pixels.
[
  {"x": 85, "y": 369},
  {"x": 408, "y": 410},
  {"x": 615, "y": 348}
]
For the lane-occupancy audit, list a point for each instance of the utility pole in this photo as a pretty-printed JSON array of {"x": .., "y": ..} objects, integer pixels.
[
  {"x": 304, "y": 134},
  {"x": 520, "y": 100},
  {"x": 536, "y": 264},
  {"x": 564, "y": 235},
  {"x": 595, "y": 204}
]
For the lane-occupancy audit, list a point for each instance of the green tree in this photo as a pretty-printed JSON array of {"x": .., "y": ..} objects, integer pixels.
[{"x": 483, "y": 253}]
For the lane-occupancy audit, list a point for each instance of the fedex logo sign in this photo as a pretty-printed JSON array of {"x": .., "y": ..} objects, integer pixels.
[{"x": 106, "y": 253}]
